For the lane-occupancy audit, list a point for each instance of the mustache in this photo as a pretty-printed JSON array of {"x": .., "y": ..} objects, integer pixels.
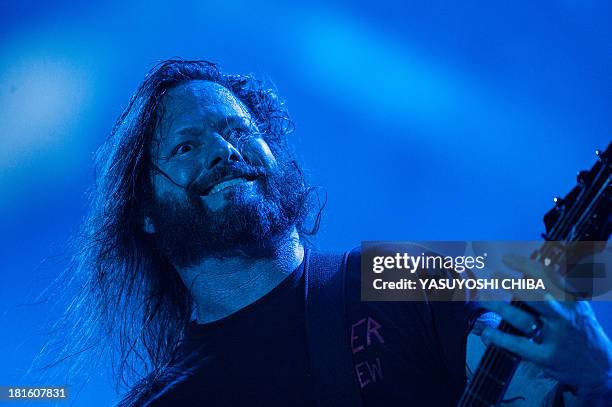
[{"x": 204, "y": 182}]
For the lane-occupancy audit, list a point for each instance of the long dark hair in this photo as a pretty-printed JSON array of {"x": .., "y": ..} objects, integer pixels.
[{"x": 129, "y": 300}]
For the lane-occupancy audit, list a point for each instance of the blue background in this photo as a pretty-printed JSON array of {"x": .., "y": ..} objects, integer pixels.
[{"x": 423, "y": 121}]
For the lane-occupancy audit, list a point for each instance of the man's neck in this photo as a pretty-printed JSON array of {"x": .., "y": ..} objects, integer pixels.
[{"x": 222, "y": 286}]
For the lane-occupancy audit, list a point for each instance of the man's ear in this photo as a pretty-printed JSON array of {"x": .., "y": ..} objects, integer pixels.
[{"x": 147, "y": 225}]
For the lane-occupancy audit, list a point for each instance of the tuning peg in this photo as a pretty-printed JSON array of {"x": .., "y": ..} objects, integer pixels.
[
  {"x": 583, "y": 177},
  {"x": 558, "y": 201},
  {"x": 598, "y": 153}
]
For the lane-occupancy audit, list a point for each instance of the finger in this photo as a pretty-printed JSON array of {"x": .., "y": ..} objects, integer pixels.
[
  {"x": 523, "y": 347},
  {"x": 549, "y": 308},
  {"x": 487, "y": 319},
  {"x": 521, "y": 320}
]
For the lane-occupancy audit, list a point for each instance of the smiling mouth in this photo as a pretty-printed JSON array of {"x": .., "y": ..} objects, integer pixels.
[{"x": 227, "y": 184}]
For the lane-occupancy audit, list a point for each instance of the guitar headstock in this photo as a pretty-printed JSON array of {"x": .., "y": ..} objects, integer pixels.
[{"x": 584, "y": 214}]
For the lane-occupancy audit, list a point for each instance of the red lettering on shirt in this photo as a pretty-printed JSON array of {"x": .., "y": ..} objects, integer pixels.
[
  {"x": 361, "y": 372},
  {"x": 354, "y": 336},
  {"x": 373, "y": 327},
  {"x": 375, "y": 369},
  {"x": 368, "y": 372},
  {"x": 366, "y": 333}
]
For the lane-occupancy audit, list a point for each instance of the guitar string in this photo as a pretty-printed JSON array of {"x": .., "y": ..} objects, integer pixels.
[
  {"x": 574, "y": 210},
  {"x": 505, "y": 360},
  {"x": 499, "y": 353},
  {"x": 495, "y": 356},
  {"x": 598, "y": 196},
  {"x": 491, "y": 360},
  {"x": 492, "y": 357}
]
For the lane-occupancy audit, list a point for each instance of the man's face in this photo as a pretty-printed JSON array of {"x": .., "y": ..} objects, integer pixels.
[{"x": 216, "y": 185}]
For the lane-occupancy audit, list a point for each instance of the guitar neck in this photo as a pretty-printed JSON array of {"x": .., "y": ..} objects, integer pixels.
[
  {"x": 497, "y": 366},
  {"x": 585, "y": 214},
  {"x": 494, "y": 372}
]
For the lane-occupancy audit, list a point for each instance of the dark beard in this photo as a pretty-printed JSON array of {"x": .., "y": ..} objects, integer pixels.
[{"x": 187, "y": 231}]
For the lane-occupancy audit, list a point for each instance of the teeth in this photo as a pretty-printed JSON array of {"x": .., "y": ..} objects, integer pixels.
[{"x": 226, "y": 184}]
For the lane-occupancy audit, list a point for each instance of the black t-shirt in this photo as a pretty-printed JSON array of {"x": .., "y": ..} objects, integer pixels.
[{"x": 404, "y": 353}]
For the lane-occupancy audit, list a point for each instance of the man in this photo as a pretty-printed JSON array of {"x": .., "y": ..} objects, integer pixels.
[{"x": 196, "y": 251}]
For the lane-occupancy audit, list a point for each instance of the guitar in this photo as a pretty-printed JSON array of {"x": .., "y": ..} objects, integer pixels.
[{"x": 584, "y": 214}]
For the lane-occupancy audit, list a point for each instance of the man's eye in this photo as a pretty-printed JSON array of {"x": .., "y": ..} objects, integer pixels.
[{"x": 183, "y": 149}]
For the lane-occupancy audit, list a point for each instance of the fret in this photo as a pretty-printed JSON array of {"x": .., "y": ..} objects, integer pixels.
[
  {"x": 509, "y": 355},
  {"x": 500, "y": 364},
  {"x": 479, "y": 399},
  {"x": 490, "y": 380},
  {"x": 494, "y": 371},
  {"x": 504, "y": 353},
  {"x": 492, "y": 377}
]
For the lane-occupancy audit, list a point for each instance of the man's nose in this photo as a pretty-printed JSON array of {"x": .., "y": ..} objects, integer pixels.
[{"x": 221, "y": 152}]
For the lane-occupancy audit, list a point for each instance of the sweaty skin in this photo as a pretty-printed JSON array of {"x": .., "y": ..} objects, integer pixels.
[{"x": 202, "y": 128}]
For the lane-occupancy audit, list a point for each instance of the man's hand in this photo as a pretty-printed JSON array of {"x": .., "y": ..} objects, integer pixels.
[{"x": 571, "y": 347}]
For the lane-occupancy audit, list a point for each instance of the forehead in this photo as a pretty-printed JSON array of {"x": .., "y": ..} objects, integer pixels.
[{"x": 199, "y": 103}]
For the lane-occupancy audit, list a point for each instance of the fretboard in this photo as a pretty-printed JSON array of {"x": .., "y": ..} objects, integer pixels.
[
  {"x": 584, "y": 214},
  {"x": 494, "y": 372}
]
